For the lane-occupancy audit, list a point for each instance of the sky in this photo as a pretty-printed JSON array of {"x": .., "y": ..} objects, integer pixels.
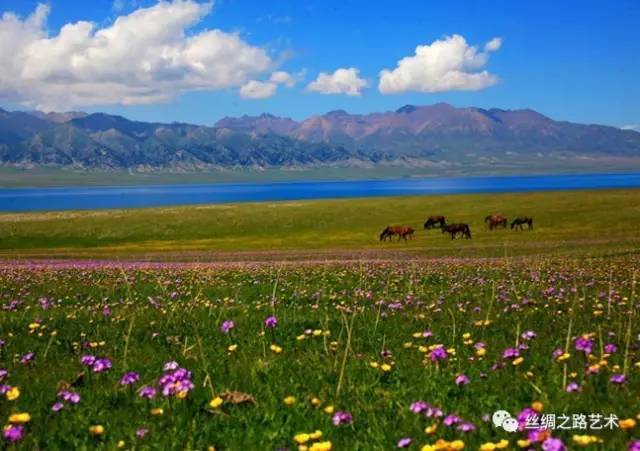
[{"x": 198, "y": 61}]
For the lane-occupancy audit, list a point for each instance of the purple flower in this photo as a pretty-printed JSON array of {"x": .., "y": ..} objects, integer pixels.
[
  {"x": 439, "y": 353},
  {"x": 141, "y": 432},
  {"x": 510, "y": 353},
  {"x": 227, "y": 326},
  {"x": 572, "y": 386},
  {"x": 466, "y": 427},
  {"x": 147, "y": 392},
  {"x": 450, "y": 420},
  {"x": 583, "y": 344},
  {"x": 553, "y": 444},
  {"x": 13, "y": 433},
  {"x": 634, "y": 446},
  {"x": 418, "y": 406},
  {"x": 3, "y": 374},
  {"x": 617, "y": 378},
  {"x": 129, "y": 378},
  {"x": 557, "y": 353},
  {"x": 342, "y": 418},
  {"x": 271, "y": 322},
  {"x": 170, "y": 366},
  {"x": 101, "y": 365},
  {"x": 87, "y": 360},
  {"x": 462, "y": 379},
  {"x": 610, "y": 348},
  {"x": 57, "y": 407},
  {"x": 404, "y": 442},
  {"x": 528, "y": 335},
  {"x": 28, "y": 357}
]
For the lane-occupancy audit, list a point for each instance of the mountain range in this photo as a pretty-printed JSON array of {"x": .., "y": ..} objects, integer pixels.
[{"x": 411, "y": 135}]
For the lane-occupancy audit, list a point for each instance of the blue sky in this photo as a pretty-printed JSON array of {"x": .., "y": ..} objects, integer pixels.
[{"x": 570, "y": 60}]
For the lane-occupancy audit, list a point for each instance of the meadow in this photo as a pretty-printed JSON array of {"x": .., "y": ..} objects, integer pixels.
[
  {"x": 290, "y": 326},
  {"x": 566, "y": 223},
  {"x": 318, "y": 356}
]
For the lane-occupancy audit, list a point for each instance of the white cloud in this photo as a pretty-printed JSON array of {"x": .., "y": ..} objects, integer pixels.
[
  {"x": 449, "y": 64},
  {"x": 342, "y": 81},
  {"x": 147, "y": 56},
  {"x": 255, "y": 89},
  {"x": 634, "y": 127}
]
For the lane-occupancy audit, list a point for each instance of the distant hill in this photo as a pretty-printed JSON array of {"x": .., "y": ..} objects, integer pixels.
[{"x": 411, "y": 135}]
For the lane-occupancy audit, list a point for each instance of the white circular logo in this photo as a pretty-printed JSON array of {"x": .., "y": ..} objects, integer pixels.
[{"x": 503, "y": 419}]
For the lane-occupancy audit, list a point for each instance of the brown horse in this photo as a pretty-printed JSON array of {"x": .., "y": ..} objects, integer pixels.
[
  {"x": 520, "y": 220},
  {"x": 458, "y": 229},
  {"x": 402, "y": 231},
  {"x": 495, "y": 221},
  {"x": 432, "y": 221}
]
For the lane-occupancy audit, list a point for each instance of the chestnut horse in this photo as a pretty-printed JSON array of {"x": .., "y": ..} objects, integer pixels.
[
  {"x": 402, "y": 231},
  {"x": 517, "y": 223},
  {"x": 433, "y": 220},
  {"x": 495, "y": 221},
  {"x": 458, "y": 229}
]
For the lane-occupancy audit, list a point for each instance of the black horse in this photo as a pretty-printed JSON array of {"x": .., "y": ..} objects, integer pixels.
[
  {"x": 434, "y": 221},
  {"x": 457, "y": 229},
  {"x": 520, "y": 220}
]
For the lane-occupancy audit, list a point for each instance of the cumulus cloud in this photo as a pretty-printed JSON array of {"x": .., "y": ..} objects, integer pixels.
[
  {"x": 147, "y": 56},
  {"x": 449, "y": 64},
  {"x": 255, "y": 89},
  {"x": 342, "y": 81}
]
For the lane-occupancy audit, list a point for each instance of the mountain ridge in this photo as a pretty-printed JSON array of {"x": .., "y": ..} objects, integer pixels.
[{"x": 411, "y": 134}]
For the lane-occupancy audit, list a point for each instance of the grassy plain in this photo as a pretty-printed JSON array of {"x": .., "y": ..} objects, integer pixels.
[{"x": 566, "y": 223}]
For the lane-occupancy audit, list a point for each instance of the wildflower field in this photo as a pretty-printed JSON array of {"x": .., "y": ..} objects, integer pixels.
[{"x": 344, "y": 356}]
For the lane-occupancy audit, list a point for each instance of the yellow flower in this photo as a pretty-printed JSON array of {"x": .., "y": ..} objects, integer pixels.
[
  {"x": 585, "y": 440},
  {"x": 315, "y": 435},
  {"x": 289, "y": 400},
  {"x": 301, "y": 438},
  {"x": 301, "y": 337},
  {"x": 428, "y": 448},
  {"x": 34, "y": 326},
  {"x": 517, "y": 361},
  {"x": 232, "y": 348},
  {"x": 502, "y": 444},
  {"x": 315, "y": 402},
  {"x": 385, "y": 367},
  {"x": 19, "y": 418},
  {"x": 524, "y": 443},
  {"x": 275, "y": 348},
  {"x": 489, "y": 446},
  {"x": 563, "y": 357},
  {"x": 373, "y": 364},
  {"x": 96, "y": 430},
  {"x": 13, "y": 394},
  {"x": 317, "y": 333},
  {"x": 466, "y": 335},
  {"x": 628, "y": 423},
  {"x": 537, "y": 406},
  {"x": 480, "y": 352},
  {"x": 429, "y": 430},
  {"x": 158, "y": 411},
  {"x": 457, "y": 445},
  {"x": 329, "y": 410},
  {"x": 121, "y": 444},
  {"x": 407, "y": 344},
  {"x": 216, "y": 402},
  {"x": 321, "y": 446}
]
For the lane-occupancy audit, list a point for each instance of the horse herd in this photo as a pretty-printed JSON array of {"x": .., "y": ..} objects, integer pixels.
[{"x": 461, "y": 230}]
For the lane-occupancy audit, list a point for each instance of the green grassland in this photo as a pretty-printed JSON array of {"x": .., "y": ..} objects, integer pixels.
[{"x": 566, "y": 223}]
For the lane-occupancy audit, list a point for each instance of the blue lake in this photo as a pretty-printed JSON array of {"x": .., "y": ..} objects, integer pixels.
[{"x": 85, "y": 198}]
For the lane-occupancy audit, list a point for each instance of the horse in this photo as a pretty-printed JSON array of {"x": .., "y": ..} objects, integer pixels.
[
  {"x": 517, "y": 223},
  {"x": 457, "y": 229},
  {"x": 433, "y": 220},
  {"x": 495, "y": 221},
  {"x": 402, "y": 231}
]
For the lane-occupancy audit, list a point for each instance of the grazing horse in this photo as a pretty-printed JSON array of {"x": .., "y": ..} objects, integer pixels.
[
  {"x": 495, "y": 221},
  {"x": 433, "y": 220},
  {"x": 458, "y": 229},
  {"x": 517, "y": 223},
  {"x": 402, "y": 231}
]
